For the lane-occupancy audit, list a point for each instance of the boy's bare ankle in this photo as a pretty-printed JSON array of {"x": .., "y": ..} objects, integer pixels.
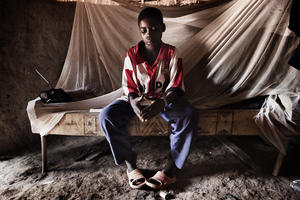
[
  {"x": 170, "y": 170},
  {"x": 131, "y": 162},
  {"x": 130, "y": 166}
]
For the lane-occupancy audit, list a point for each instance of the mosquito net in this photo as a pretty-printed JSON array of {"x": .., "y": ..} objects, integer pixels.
[{"x": 231, "y": 51}]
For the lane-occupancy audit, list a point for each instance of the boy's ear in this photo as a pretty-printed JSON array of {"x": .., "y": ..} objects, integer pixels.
[{"x": 163, "y": 27}]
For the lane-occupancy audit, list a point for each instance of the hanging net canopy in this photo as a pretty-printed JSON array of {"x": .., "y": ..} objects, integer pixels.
[{"x": 232, "y": 50}]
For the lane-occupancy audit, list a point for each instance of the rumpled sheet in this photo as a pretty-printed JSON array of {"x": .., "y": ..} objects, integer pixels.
[
  {"x": 278, "y": 119},
  {"x": 231, "y": 51}
]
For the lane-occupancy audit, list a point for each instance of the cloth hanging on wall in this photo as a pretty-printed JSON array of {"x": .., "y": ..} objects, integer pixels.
[{"x": 232, "y": 51}]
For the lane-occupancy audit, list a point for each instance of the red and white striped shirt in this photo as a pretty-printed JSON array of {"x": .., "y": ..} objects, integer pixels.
[{"x": 140, "y": 78}]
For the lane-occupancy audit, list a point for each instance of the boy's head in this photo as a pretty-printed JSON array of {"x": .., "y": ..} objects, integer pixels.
[
  {"x": 151, "y": 25},
  {"x": 150, "y": 13}
]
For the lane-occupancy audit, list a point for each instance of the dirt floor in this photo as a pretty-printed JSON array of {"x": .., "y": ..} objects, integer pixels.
[{"x": 83, "y": 168}]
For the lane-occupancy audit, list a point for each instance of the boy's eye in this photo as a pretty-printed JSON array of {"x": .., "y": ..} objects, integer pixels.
[
  {"x": 143, "y": 30},
  {"x": 153, "y": 28}
]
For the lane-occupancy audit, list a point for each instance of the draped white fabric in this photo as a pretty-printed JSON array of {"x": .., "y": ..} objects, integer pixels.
[
  {"x": 276, "y": 118},
  {"x": 232, "y": 51}
]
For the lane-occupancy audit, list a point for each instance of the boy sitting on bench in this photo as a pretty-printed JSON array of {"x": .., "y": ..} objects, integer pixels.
[{"x": 153, "y": 84}]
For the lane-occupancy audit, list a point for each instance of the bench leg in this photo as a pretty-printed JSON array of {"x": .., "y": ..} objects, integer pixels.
[
  {"x": 278, "y": 164},
  {"x": 44, "y": 154}
]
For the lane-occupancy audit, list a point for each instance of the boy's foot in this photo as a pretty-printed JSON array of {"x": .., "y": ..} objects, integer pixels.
[
  {"x": 160, "y": 180},
  {"x": 136, "y": 179}
]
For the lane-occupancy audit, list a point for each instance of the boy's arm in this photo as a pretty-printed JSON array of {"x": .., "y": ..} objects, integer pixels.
[
  {"x": 129, "y": 82},
  {"x": 175, "y": 89},
  {"x": 135, "y": 104},
  {"x": 176, "y": 85},
  {"x": 129, "y": 86}
]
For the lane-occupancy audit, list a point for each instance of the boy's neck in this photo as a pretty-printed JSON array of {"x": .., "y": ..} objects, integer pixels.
[
  {"x": 152, "y": 49},
  {"x": 150, "y": 53}
]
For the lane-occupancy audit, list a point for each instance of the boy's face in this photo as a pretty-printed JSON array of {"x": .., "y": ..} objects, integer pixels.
[{"x": 151, "y": 31}]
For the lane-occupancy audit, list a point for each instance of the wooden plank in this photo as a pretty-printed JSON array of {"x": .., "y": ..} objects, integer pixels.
[
  {"x": 154, "y": 127},
  {"x": 90, "y": 125},
  {"x": 211, "y": 122},
  {"x": 71, "y": 124},
  {"x": 207, "y": 122},
  {"x": 244, "y": 124},
  {"x": 224, "y": 123}
]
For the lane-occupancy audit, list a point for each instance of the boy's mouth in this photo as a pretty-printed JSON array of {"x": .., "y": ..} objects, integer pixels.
[{"x": 149, "y": 42}]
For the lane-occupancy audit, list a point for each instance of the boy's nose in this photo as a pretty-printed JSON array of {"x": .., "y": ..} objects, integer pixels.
[{"x": 149, "y": 32}]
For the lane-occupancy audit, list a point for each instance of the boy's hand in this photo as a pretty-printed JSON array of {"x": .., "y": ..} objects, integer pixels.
[
  {"x": 152, "y": 110},
  {"x": 135, "y": 104}
]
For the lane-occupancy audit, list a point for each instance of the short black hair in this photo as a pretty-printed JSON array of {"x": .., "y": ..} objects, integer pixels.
[{"x": 150, "y": 12}]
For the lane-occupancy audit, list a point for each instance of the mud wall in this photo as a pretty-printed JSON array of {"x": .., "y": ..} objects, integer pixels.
[{"x": 32, "y": 32}]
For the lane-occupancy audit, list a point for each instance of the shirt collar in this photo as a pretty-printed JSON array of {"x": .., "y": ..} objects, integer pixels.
[{"x": 140, "y": 59}]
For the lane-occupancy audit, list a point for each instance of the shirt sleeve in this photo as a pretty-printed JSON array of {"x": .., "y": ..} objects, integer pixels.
[
  {"x": 176, "y": 74},
  {"x": 129, "y": 82}
]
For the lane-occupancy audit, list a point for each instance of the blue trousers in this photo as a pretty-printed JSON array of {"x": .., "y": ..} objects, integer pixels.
[{"x": 180, "y": 115}]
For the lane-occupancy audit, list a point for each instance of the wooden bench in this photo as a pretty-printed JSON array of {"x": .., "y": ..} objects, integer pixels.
[{"x": 211, "y": 122}]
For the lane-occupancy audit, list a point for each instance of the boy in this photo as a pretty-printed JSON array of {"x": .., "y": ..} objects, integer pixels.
[{"x": 152, "y": 84}]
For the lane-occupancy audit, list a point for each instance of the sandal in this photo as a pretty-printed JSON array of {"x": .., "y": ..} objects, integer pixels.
[
  {"x": 136, "y": 179},
  {"x": 160, "y": 180}
]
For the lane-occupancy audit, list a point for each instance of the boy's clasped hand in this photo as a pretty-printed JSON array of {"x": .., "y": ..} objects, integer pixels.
[{"x": 146, "y": 108}]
